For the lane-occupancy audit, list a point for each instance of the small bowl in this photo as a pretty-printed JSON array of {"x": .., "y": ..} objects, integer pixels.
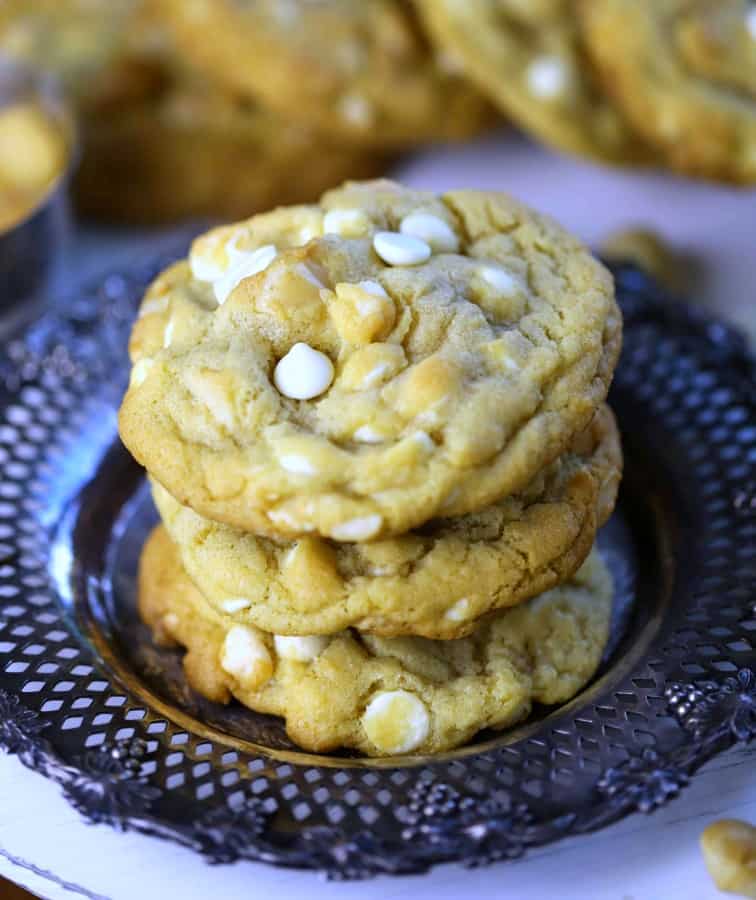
[{"x": 30, "y": 246}]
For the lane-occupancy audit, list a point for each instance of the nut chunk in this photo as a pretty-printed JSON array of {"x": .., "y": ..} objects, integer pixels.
[{"x": 729, "y": 849}]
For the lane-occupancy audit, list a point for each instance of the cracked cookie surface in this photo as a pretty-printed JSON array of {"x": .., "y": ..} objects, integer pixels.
[
  {"x": 528, "y": 57},
  {"x": 684, "y": 73},
  {"x": 362, "y": 72},
  {"x": 355, "y": 379},
  {"x": 436, "y": 582},
  {"x": 385, "y": 696}
]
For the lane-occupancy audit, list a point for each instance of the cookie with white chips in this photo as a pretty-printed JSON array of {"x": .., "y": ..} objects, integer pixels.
[
  {"x": 436, "y": 582},
  {"x": 381, "y": 359},
  {"x": 684, "y": 74},
  {"x": 187, "y": 149},
  {"x": 362, "y": 73},
  {"x": 527, "y": 56},
  {"x": 385, "y": 696}
]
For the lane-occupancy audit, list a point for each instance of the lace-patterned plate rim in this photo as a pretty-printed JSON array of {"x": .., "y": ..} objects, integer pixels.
[
  {"x": 608, "y": 677},
  {"x": 684, "y": 394}
]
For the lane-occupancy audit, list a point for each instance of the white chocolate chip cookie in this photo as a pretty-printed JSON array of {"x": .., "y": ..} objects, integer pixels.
[
  {"x": 436, "y": 582},
  {"x": 527, "y": 56},
  {"x": 356, "y": 387},
  {"x": 385, "y": 696},
  {"x": 684, "y": 74},
  {"x": 359, "y": 72}
]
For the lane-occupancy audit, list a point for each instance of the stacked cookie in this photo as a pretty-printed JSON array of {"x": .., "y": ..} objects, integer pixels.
[{"x": 376, "y": 434}]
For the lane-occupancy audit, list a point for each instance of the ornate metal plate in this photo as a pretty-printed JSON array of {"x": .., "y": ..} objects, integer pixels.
[{"x": 88, "y": 701}]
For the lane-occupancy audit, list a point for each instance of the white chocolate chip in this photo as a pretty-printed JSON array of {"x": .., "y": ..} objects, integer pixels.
[
  {"x": 372, "y": 287},
  {"x": 235, "y": 605},
  {"x": 367, "y": 435},
  {"x": 396, "y": 721},
  {"x": 140, "y": 371},
  {"x": 430, "y": 417},
  {"x": 306, "y": 233},
  {"x": 286, "y": 12},
  {"x": 300, "y": 649},
  {"x": 356, "y": 109},
  {"x": 437, "y": 233},
  {"x": 244, "y": 265},
  {"x": 303, "y": 373},
  {"x": 346, "y": 222},
  {"x": 168, "y": 333},
  {"x": 285, "y": 519},
  {"x": 400, "y": 249},
  {"x": 246, "y": 657},
  {"x": 547, "y": 77},
  {"x": 299, "y": 465},
  {"x": 205, "y": 269},
  {"x": 425, "y": 440},
  {"x": 360, "y": 529},
  {"x": 375, "y": 375},
  {"x": 170, "y": 622},
  {"x": 350, "y": 55},
  {"x": 154, "y": 305},
  {"x": 232, "y": 248},
  {"x": 501, "y": 280},
  {"x": 459, "y": 612},
  {"x": 369, "y": 307},
  {"x": 306, "y": 272},
  {"x": 449, "y": 63}
]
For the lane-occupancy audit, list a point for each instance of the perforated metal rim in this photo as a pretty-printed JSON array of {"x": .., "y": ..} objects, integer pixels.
[{"x": 684, "y": 394}]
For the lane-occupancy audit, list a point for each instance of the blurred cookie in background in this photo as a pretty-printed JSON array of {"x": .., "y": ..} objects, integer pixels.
[
  {"x": 158, "y": 142},
  {"x": 527, "y": 56},
  {"x": 684, "y": 73},
  {"x": 362, "y": 72},
  {"x": 673, "y": 267},
  {"x": 186, "y": 150},
  {"x": 75, "y": 40}
]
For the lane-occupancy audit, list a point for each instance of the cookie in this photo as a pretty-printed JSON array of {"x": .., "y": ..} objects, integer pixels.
[
  {"x": 164, "y": 148},
  {"x": 385, "y": 696},
  {"x": 76, "y": 40},
  {"x": 436, "y": 582},
  {"x": 168, "y": 313},
  {"x": 381, "y": 359},
  {"x": 158, "y": 143},
  {"x": 528, "y": 57},
  {"x": 353, "y": 71},
  {"x": 684, "y": 73}
]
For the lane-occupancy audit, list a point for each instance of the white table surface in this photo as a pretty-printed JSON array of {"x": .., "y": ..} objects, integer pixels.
[{"x": 44, "y": 845}]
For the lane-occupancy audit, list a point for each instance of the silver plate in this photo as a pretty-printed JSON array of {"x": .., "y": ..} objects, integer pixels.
[{"x": 86, "y": 698}]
